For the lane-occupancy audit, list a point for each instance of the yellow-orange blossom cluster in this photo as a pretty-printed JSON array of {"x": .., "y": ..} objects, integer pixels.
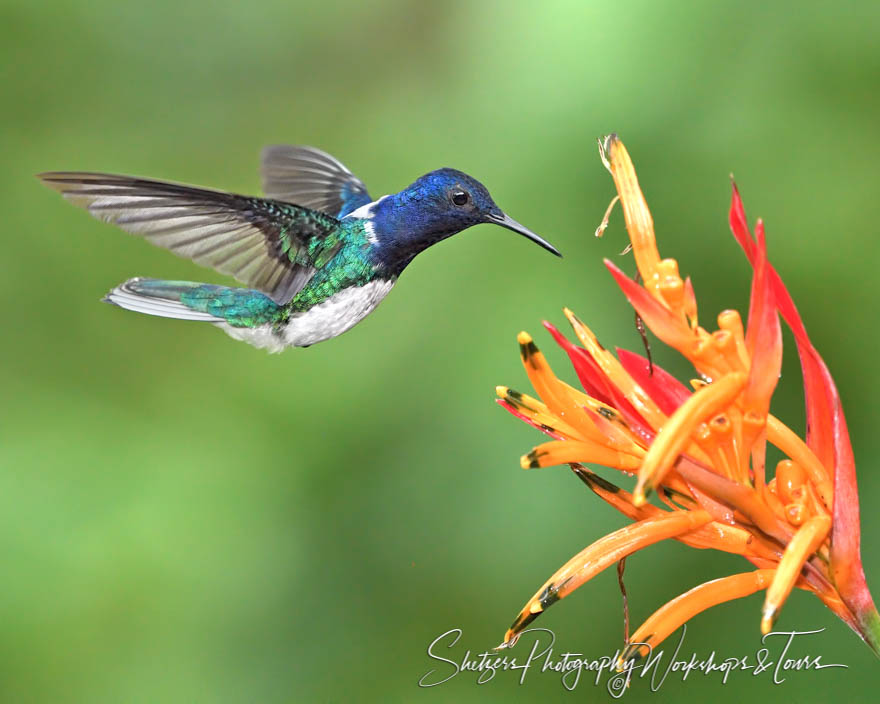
[{"x": 702, "y": 450}]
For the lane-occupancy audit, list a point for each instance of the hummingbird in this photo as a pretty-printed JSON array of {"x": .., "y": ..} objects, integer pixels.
[{"x": 317, "y": 254}]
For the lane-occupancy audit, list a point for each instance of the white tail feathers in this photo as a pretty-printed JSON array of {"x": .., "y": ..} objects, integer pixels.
[{"x": 130, "y": 296}]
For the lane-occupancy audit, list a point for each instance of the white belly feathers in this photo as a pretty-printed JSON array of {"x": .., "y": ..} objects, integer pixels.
[{"x": 333, "y": 317}]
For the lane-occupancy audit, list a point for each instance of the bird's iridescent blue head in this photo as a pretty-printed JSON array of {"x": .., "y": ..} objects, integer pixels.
[{"x": 438, "y": 205}]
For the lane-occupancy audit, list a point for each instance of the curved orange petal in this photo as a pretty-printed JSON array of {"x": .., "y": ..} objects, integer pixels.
[
  {"x": 566, "y": 451},
  {"x": 600, "y": 555},
  {"x": 682, "y": 608}
]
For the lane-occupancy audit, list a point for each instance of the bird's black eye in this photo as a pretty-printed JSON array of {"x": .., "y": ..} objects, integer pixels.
[{"x": 460, "y": 197}]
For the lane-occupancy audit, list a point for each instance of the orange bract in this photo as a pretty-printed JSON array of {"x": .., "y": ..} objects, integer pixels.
[{"x": 702, "y": 451}]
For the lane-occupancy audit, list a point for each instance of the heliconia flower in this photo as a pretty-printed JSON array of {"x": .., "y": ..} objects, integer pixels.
[{"x": 702, "y": 451}]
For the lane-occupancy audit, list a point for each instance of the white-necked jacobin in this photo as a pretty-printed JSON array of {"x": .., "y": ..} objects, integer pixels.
[{"x": 318, "y": 253}]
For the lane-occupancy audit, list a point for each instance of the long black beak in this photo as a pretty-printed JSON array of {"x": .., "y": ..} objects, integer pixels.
[{"x": 511, "y": 224}]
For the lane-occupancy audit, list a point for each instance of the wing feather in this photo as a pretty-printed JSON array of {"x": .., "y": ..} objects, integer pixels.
[
  {"x": 262, "y": 242},
  {"x": 312, "y": 178}
]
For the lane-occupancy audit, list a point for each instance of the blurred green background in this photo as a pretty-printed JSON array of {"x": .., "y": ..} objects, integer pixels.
[{"x": 185, "y": 518}]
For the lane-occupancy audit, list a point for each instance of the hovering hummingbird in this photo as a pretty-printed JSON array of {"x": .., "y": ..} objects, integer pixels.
[{"x": 318, "y": 253}]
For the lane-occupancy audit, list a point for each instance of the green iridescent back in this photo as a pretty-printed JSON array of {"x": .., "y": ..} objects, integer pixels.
[{"x": 350, "y": 265}]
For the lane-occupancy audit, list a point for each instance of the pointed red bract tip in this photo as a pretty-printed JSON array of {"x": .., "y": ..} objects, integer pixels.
[
  {"x": 764, "y": 334},
  {"x": 738, "y": 223},
  {"x": 589, "y": 373},
  {"x": 662, "y": 322}
]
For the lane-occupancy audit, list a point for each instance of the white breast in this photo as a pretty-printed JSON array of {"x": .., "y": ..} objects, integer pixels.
[{"x": 333, "y": 317}]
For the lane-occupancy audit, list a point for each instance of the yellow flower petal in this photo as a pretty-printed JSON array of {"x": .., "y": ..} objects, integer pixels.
[
  {"x": 675, "y": 436},
  {"x": 804, "y": 543},
  {"x": 639, "y": 223},
  {"x": 600, "y": 555},
  {"x": 566, "y": 451},
  {"x": 673, "y": 614}
]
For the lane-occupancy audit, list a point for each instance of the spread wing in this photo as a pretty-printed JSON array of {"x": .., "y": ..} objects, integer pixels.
[
  {"x": 271, "y": 246},
  {"x": 312, "y": 178}
]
